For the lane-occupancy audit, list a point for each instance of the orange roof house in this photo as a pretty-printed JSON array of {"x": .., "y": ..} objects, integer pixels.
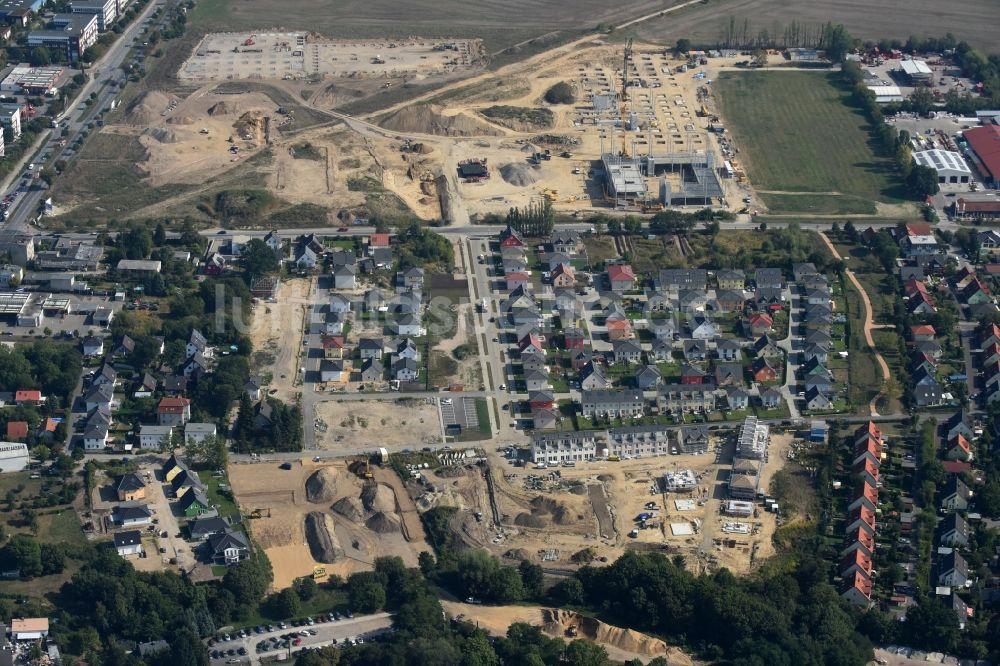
[{"x": 17, "y": 430}]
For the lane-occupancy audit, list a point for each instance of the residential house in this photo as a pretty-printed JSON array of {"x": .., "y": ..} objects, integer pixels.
[
  {"x": 173, "y": 411},
  {"x": 663, "y": 329},
  {"x": 818, "y": 353},
  {"x": 125, "y": 348},
  {"x": 339, "y": 304},
  {"x": 762, "y": 371},
  {"x": 201, "y": 528},
  {"x": 922, "y": 333},
  {"x": 532, "y": 360},
  {"x": 558, "y": 447},
  {"x": 130, "y": 487},
  {"x": 955, "y": 495},
  {"x": 345, "y": 277},
  {"x": 146, "y": 386},
  {"x": 411, "y": 278},
  {"x": 405, "y": 369},
  {"x": 544, "y": 419},
  {"x": 693, "y": 301},
  {"x": 100, "y": 396},
  {"x": 626, "y": 351},
  {"x": 856, "y": 561},
  {"x": 728, "y": 350},
  {"x": 253, "y": 387},
  {"x": 17, "y": 430},
  {"x": 132, "y": 515},
  {"x": 675, "y": 280},
  {"x": 953, "y": 571},
  {"x": 647, "y": 377},
  {"x": 662, "y": 350},
  {"x": 769, "y": 277},
  {"x": 859, "y": 539},
  {"x": 228, "y": 547},
  {"x": 198, "y": 432},
  {"x": 613, "y": 403},
  {"x": 565, "y": 240},
  {"x": 536, "y": 380},
  {"x": 96, "y": 436},
  {"x": 372, "y": 370},
  {"x": 770, "y": 398},
  {"x": 105, "y": 375},
  {"x": 857, "y": 589},
  {"x": 759, "y": 324},
  {"x": 408, "y": 324},
  {"x": 510, "y": 237},
  {"x": 728, "y": 374},
  {"x": 621, "y": 277},
  {"x": 685, "y": 398},
  {"x": 731, "y": 278},
  {"x": 695, "y": 350},
  {"x": 92, "y": 346},
  {"x": 703, "y": 328},
  {"x": 865, "y": 495},
  {"x": 197, "y": 344},
  {"x": 692, "y": 374},
  {"x": 371, "y": 348},
  {"x": 563, "y": 276},
  {"x": 128, "y": 543},
  {"x": 693, "y": 440},
  {"x": 194, "y": 503},
  {"x": 766, "y": 347},
  {"x": 592, "y": 377},
  {"x": 574, "y": 338},
  {"x": 860, "y": 518},
  {"x": 195, "y": 366},
  {"x": 817, "y": 400},
  {"x": 175, "y": 385},
  {"x": 728, "y": 300},
  {"x": 737, "y": 398},
  {"x": 154, "y": 436},
  {"x": 331, "y": 370},
  {"x": 541, "y": 399},
  {"x": 953, "y": 530},
  {"x": 928, "y": 395},
  {"x": 958, "y": 448},
  {"x": 619, "y": 329},
  {"x": 333, "y": 347},
  {"x": 516, "y": 279}
]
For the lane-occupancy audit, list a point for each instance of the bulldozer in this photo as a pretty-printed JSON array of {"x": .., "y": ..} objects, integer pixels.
[
  {"x": 260, "y": 513},
  {"x": 362, "y": 468}
]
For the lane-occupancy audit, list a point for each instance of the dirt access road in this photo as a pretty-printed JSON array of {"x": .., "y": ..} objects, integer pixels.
[
  {"x": 621, "y": 644},
  {"x": 869, "y": 318},
  {"x": 277, "y": 334}
]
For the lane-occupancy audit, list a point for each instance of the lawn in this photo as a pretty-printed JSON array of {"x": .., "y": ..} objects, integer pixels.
[
  {"x": 818, "y": 204},
  {"x": 798, "y": 134}
]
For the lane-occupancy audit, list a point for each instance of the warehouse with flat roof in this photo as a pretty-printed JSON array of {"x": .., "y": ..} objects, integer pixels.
[
  {"x": 916, "y": 70},
  {"x": 950, "y": 166},
  {"x": 13, "y": 456}
]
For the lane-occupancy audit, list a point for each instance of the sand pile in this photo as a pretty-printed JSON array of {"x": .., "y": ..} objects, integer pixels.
[
  {"x": 162, "y": 135},
  {"x": 383, "y": 523},
  {"x": 533, "y": 520},
  {"x": 428, "y": 119},
  {"x": 180, "y": 120},
  {"x": 148, "y": 108},
  {"x": 350, "y": 508},
  {"x": 520, "y": 175},
  {"x": 321, "y": 537},
  {"x": 518, "y": 554},
  {"x": 546, "y": 506},
  {"x": 377, "y": 497},
  {"x": 557, "y": 621},
  {"x": 321, "y": 486},
  {"x": 218, "y": 109}
]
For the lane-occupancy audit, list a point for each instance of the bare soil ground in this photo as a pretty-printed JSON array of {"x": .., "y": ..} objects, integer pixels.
[
  {"x": 282, "y": 535},
  {"x": 621, "y": 644},
  {"x": 414, "y": 424},
  {"x": 276, "y": 334}
]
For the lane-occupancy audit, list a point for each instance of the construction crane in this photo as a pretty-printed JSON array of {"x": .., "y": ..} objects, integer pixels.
[{"x": 622, "y": 103}]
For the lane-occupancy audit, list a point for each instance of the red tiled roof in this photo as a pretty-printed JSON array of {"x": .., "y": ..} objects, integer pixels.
[
  {"x": 862, "y": 536},
  {"x": 17, "y": 429},
  {"x": 923, "y": 329},
  {"x": 379, "y": 240},
  {"x": 172, "y": 405},
  {"x": 862, "y": 560},
  {"x": 959, "y": 441},
  {"x": 993, "y": 269},
  {"x": 918, "y": 229},
  {"x": 868, "y": 491},
  {"x": 867, "y": 466},
  {"x": 517, "y": 275},
  {"x": 858, "y": 581},
  {"x": 871, "y": 428},
  {"x": 979, "y": 207},
  {"x": 985, "y": 141},
  {"x": 28, "y": 395},
  {"x": 619, "y": 272},
  {"x": 623, "y": 324},
  {"x": 333, "y": 342},
  {"x": 761, "y": 318},
  {"x": 955, "y": 466}
]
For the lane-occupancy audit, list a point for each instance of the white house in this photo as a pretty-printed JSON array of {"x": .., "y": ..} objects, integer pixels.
[
  {"x": 154, "y": 436},
  {"x": 198, "y": 432},
  {"x": 128, "y": 543}
]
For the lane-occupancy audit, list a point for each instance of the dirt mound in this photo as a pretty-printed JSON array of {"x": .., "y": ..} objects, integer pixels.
[
  {"x": 321, "y": 486},
  {"x": 428, "y": 119},
  {"x": 321, "y": 537},
  {"x": 534, "y": 520},
  {"x": 251, "y": 124},
  {"x": 518, "y": 554},
  {"x": 421, "y": 148},
  {"x": 557, "y": 621},
  {"x": 383, "y": 523},
  {"x": 162, "y": 135},
  {"x": 378, "y": 497},
  {"x": 546, "y": 506},
  {"x": 450, "y": 472},
  {"x": 520, "y": 175},
  {"x": 180, "y": 120},
  {"x": 350, "y": 508},
  {"x": 605, "y": 478},
  {"x": 218, "y": 109},
  {"x": 578, "y": 489},
  {"x": 149, "y": 107}
]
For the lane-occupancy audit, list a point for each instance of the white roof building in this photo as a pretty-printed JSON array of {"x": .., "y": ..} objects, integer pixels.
[
  {"x": 950, "y": 166},
  {"x": 13, "y": 456},
  {"x": 917, "y": 70},
  {"x": 753, "y": 439}
]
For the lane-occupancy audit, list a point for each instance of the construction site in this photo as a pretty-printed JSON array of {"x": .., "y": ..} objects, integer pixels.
[{"x": 327, "y": 518}]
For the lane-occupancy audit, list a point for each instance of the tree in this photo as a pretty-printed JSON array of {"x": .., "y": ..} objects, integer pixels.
[
  {"x": 258, "y": 260},
  {"x": 284, "y": 604},
  {"x": 325, "y": 656},
  {"x": 922, "y": 182},
  {"x": 922, "y": 101},
  {"x": 306, "y": 588},
  {"x": 160, "y": 235},
  {"x": 24, "y": 553},
  {"x": 560, "y": 93},
  {"x": 760, "y": 58},
  {"x": 532, "y": 577},
  {"x": 135, "y": 241},
  {"x": 683, "y": 45},
  {"x": 568, "y": 591},
  {"x": 365, "y": 592},
  {"x": 40, "y": 56},
  {"x": 585, "y": 653}
]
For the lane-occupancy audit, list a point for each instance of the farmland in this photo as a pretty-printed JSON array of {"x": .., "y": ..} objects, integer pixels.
[
  {"x": 500, "y": 24},
  {"x": 975, "y": 21},
  {"x": 797, "y": 135}
]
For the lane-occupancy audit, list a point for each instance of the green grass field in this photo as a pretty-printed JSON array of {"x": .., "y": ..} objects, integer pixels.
[{"x": 797, "y": 134}]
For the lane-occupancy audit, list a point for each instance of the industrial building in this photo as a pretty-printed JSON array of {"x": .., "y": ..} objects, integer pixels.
[
  {"x": 950, "y": 166},
  {"x": 28, "y": 80},
  {"x": 984, "y": 151},
  {"x": 916, "y": 71},
  {"x": 13, "y": 456},
  {"x": 683, "y": 179},
  {"x": 106, "y": 11}
]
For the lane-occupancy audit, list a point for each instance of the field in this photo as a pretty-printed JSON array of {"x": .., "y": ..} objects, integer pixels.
[
  {"x": 500, "y": 24},
  {"x": 413, "y": 424},
  {"x": 975, "y": 21},
  {"x": 796, "y": 134}
]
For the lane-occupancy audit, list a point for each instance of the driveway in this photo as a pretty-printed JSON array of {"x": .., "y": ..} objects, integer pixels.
[{"x": 157, "y": 492}]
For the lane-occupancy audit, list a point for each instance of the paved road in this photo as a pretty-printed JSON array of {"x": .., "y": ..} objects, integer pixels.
[
  {"x": 359, "y": 626},
  {"x": 791, "y": 357},
  {"x": 76, "y": 117}
]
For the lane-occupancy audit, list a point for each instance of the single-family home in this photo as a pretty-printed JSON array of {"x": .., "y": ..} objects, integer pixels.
[
  {"x": 202, "y": 527},
  {"x": 592, "y": 377},
  {"x": 731, "y": 278},
  {"x": 372, "y": 370},
  {"x": 130, "y": 487},
  {"x": 228, "y": 547},
  {"x": 619, "y": 329},
  {"x": 154, "y": 436},
  {"x": 100, "y": 396},
  {"x": 953, "y": 571},
  {"x": 626, "y": 351},
  {"x": 173, "y": 411},
  {"x": 194, "y": 503},
  {"x": 766, "y": 347},
  {"x": 128, "y": 543},
  {"x": 737, "y": 398},
  {"x": 817, "y": 400},
  {"x": 331, "y": 370},
  {"x": 703, "y": 328},
  {"x": 695, "y": 350},
  {"x": 405, "y": 369},
  {"x": 536, "y": 380},
  {"x": 621, "y": 277},
  {"x": 198, "y": 432},
  {"x": 953, "y": 530},
  {"x": 131, "y": 515},
  {"x": 762, "y": 370},
  {"x": 647, "y": 377},
  {"x": 92, "y": 346},
  {"x": 955, "y": 495},
  {"x": 728, "y": 374},
  {"x": 770, "y": 398}
]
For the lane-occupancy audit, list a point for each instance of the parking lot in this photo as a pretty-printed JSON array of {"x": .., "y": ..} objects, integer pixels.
[
  {"x": 461, "y": 412},
  {"x": 279, "y": 641}
]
